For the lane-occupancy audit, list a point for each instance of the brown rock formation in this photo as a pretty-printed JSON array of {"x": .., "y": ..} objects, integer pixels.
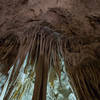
[{"x": 49, "y": 30}]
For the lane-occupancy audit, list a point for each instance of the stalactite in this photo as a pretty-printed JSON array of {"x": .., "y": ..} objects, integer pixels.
[{"x": 47, "y": 38}]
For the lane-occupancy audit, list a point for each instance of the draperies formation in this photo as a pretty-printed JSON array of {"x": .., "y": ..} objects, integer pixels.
[{"x": 47, "y": 41}]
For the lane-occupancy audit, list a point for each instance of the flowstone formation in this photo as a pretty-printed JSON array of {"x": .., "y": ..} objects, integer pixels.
[
  {"x": 23, "y": 90},
  {"x": 49, "y": 49}
]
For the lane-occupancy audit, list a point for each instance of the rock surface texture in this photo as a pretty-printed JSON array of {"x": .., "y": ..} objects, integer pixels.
[{"x": 48, "y": 31}]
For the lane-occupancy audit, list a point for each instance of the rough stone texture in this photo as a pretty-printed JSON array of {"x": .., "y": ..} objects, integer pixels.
[{"x": 74, "y": 28}]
